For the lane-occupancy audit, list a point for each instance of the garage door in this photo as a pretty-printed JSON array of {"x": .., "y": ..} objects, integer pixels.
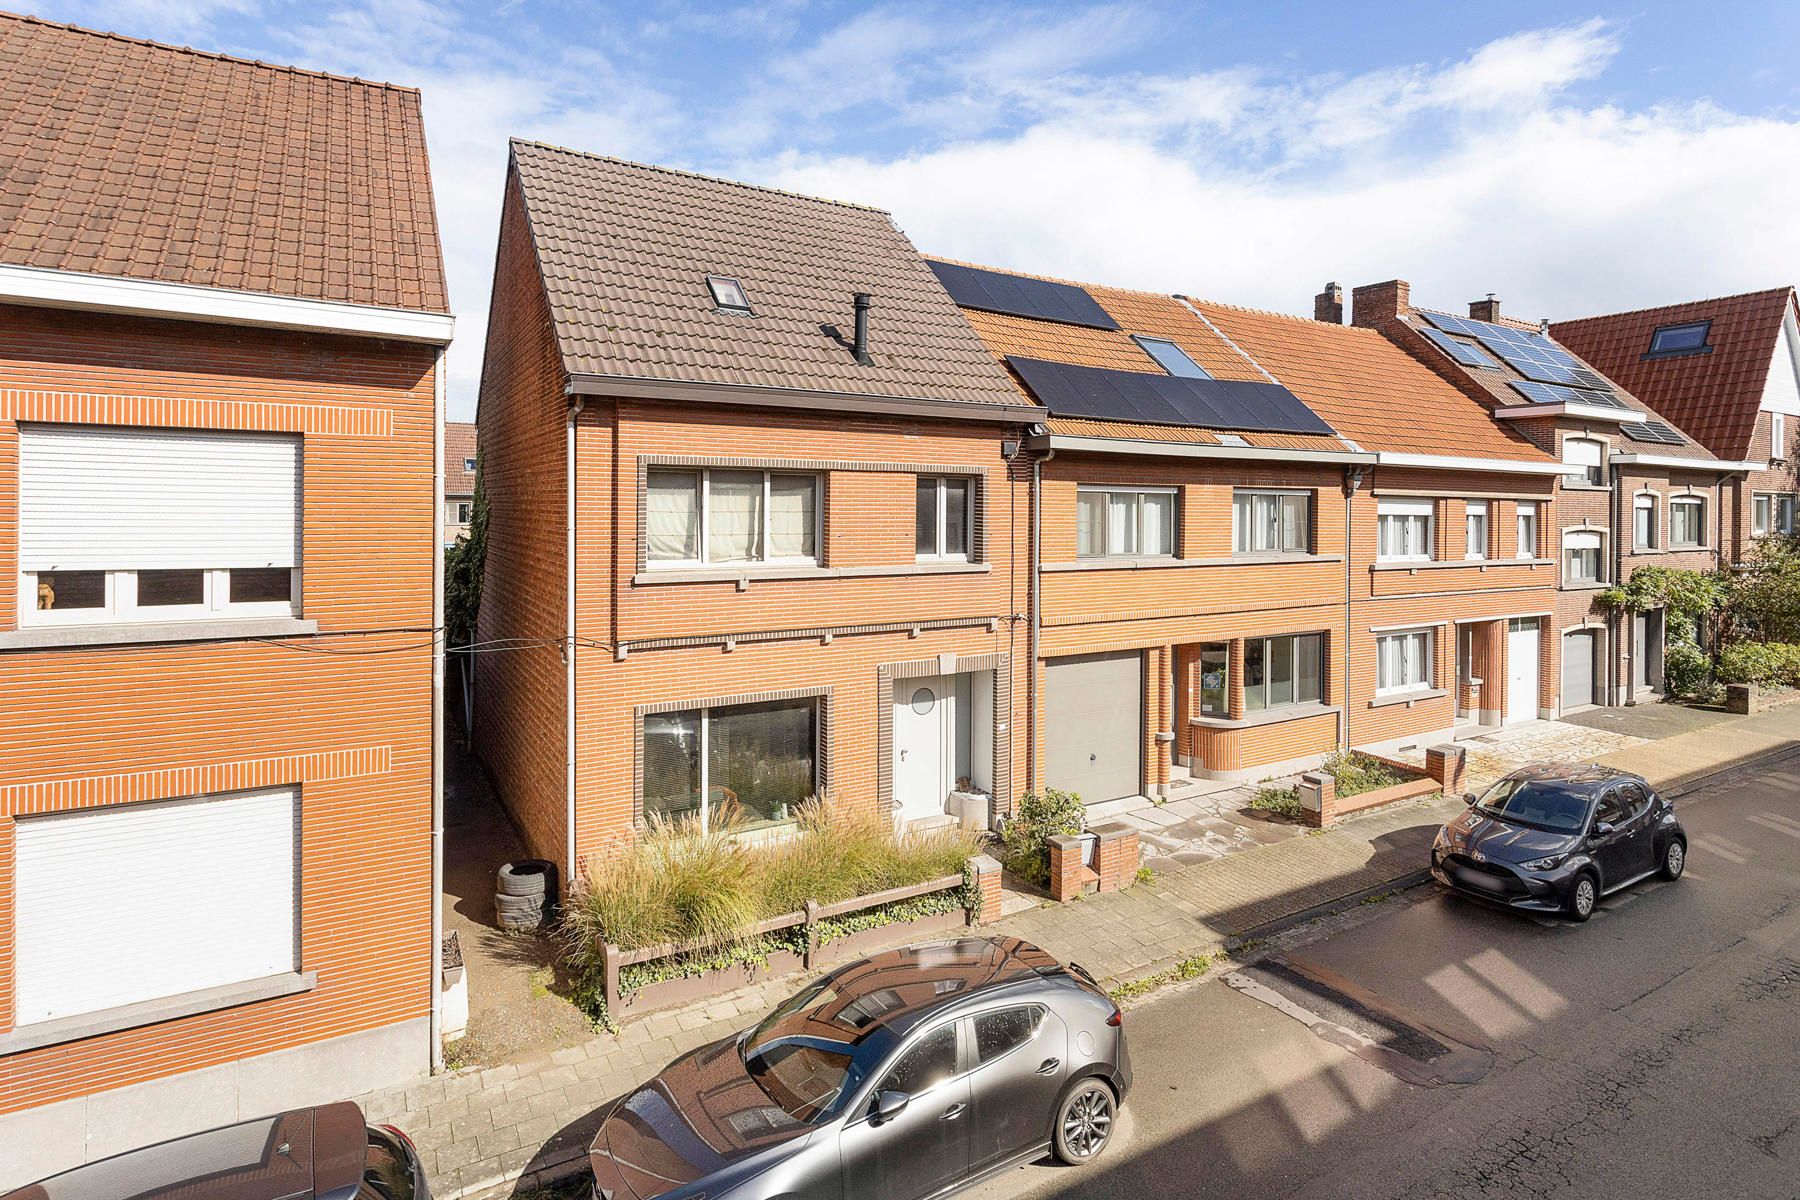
[
  {"x": 1578, "y": 669},
  {"x": 1094, "y": 725}
]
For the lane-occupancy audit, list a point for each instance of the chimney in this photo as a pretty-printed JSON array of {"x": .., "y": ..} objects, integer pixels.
[
  {"x": 1328, "y": 305},
  {"x": 864, "y": 302},
  {"x": 1485, "y": 310},
  {"x": 1375, "y": 304}
]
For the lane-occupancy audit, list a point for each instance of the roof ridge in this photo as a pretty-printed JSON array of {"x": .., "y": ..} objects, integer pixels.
[
  {"x": 216, "y": 56},
  {"x": 1309, "y": 322},
  {"x": 1784, "y": 290},
  {"x": 738, "y": 183}
]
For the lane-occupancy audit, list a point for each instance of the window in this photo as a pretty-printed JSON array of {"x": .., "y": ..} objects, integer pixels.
[
  {"x": 1475, "y": 521},
  {"x": 1271, "y": 523},
  {"x": 1404, "y": 530},
  {"x": 1215, "y": 680},
  {"x": 1584, "y": 458},
  {"x": 942, "y": 517},
  {"x": 1403, "y": 661},
  {"x": 1280, "y": 671},
  {"x": 760, "y": 759},
  {"x": 998, "y": 1033},
  {"x": 1643, "y": 523},
  {"x": 1760, "y": 505},
  {"x": 926, "y": 1065},
  {"x": 1680, "y": 339},
  {"x": 469, "y": 465},
  {"x": 715, "y": 517},
  {"x": 1778, "y": 443},
  {"x": 1528, "y": 531},
  {"x": 1687, "y": 522},
  {"x": 464, "y": 510},
  {"x": 222, "y": 864},
  {"x": 121, "y": 525},
  {"x": 1171, "y": 358},
  {"x": 1581, "y": 556},
  {"x": 1119, "y": 522},
  {"x": 728, "y": 294}
]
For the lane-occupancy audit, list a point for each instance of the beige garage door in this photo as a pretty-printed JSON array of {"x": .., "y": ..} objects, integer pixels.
[{"x": 1094, "y": 725}]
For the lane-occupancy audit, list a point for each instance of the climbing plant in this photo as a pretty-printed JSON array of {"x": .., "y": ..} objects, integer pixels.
[{"x": 1687, "y": 598}]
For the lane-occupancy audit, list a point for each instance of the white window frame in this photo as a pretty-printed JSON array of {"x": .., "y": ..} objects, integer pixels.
[
  {"x": 1424, "y": 657},
  {"x": 1644, "y": 502},
  {"x": 122, "y": 607},
  {"x": 1599, "y": 551},
  {"x": 1475, "y": 512},
  {"x": 1778, "y": 437},
  {"x": 1404, "y": 514},
  {"x": 1527, "y": 518},
  {"x": 1688, "y": 502},
  {"x": 1592, "y": 474},
  {"x": 469, "y": 465},
  {"x": 1762, "y": 513},
  {"x": 1240, "y": 526},
  {"x": 704, "y": 499},
  {"x": 1108, "y": 492},
  {"x": 966, "y": 554}
]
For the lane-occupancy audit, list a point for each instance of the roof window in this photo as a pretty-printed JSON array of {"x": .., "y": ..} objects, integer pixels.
[
  {"x": 728, "y": 294},
  {"x": 1171, "y": 358},
  {"x": 1686, "y": 338}
]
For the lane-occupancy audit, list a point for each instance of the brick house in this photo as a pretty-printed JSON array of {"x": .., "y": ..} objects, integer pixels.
[
  {"x": 220, "y": 397},
  {"x": 1725, "y": 371},
  {"x": 1219, "y": 592},
  {"x": 1635, "y": 491},
  {"x": 459, "y": 479},
  {"x": 755, "y": 492}
]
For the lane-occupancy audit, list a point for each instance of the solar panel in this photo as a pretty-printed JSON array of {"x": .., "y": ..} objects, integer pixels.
[
  {"x": 1462, "y": 352},
  {"x": 1531, "y": 354},
  {"x": 1654, "y": 431},
  {"x": 1103, "y": 394},
  {"x": 1556, "y": 393},
  {"x": 996, "y": 291}
]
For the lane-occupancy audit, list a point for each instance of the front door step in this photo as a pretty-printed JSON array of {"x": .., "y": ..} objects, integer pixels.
[{"x": 928, "y": 824}]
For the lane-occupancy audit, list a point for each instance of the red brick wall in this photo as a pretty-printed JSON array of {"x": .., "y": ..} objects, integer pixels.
[{"x": 90, "y": 726}]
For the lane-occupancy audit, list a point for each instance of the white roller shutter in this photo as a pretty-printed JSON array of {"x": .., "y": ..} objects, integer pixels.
[
  {"x": 97, "y": 499},
  {"x": 141, "y": 901}
]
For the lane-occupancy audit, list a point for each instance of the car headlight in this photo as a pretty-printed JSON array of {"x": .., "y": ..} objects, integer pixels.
[{"x": 1544, "y": 864}]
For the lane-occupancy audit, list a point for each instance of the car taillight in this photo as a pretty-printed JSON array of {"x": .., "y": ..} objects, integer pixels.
[
  {"x": 1118, "y": 1017},
  {"x": 401, "y": 1134}
]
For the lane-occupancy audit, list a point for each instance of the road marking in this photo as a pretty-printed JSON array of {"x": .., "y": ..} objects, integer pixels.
[
  {"x": 1717, "y": 845},
  {"x": 1778, "y": 823}
]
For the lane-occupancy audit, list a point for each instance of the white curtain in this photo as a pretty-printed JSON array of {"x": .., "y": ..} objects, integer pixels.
[
  {"x": 1159, "y": 523},
  {"x": 793, "y": 515},
  {"x": 1294, "y": 536},
  {"x": 734, "y": 516},
  {"x": 1121, "y": 516},
  {"x": 1090, "y": 533},
  {"x": 672, "y": 515}
]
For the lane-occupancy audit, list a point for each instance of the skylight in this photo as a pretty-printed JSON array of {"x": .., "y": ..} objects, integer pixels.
[
  {"x": 1171, "y": 358},
  {"x": 728, "y": 294},
  {"x": 1687, "y": 338}
]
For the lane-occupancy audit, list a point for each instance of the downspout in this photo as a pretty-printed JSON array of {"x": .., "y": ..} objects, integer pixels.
[
  {"x": 1036, "y": 602},
  {"x": 1353, "y": 477},
  {"x": 569, "y": 647},
  {"x": 1622, "y": 650},
  {"x": 436, "y": 1023}
]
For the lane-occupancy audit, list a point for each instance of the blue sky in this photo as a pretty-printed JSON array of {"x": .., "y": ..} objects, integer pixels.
[{"x": 1572, "y": 159}]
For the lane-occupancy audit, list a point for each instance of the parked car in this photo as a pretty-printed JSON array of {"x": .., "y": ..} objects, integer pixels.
[
  {"x": 909, "y": 1074},
  {"x": 1556, "y": 838},
  {"x": 323, "y": 1153}
]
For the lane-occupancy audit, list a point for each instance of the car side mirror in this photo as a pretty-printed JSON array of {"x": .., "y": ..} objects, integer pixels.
[
  {"x": 889, "y": 1105},
  {"x": 1602, "y": 828},
  {"x": 1469, "y": 799}
]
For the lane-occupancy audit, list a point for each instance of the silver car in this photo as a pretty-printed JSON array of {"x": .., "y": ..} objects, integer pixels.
[{"x": 908, "y": 1075}]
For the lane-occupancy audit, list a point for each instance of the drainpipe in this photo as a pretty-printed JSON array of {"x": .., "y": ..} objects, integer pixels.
[
  {"x": 440, "y": 636},
  {"x": 1353, "y": 477},
  {"x": 1036, "y": 602},
  {"x": 569, "y": 648},
  {"x": 1622, "y": 650}
]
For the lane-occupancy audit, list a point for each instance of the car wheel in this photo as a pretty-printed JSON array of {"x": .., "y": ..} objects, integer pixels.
[
  {"x": 1084, "y": 1122},
  {"x": 1674, "y": 859},
  {"x": 1582, "y": 898}
]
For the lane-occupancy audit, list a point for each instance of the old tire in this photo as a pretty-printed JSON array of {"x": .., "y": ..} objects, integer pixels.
[
  {"x": 518, "y": 912},
  {"x": 529, "y": 877},
  {"x": 1084, "y": 1122},
  {"x": 1674, "y": 860},
  {"x": 1583, "y": 896}
]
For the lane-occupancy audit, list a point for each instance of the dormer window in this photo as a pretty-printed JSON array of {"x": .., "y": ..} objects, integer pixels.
[
  {"x": 1686, "y": 338},
  {"x": 1171, "y": 358},
  {"x": 728, "y": 294}
]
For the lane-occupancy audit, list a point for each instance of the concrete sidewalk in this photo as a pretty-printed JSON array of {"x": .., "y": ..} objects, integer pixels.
[{"x": 1675, "y": 763}]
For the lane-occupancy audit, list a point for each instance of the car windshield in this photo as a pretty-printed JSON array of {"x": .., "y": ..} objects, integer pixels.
[{"x": 1545, "y": 804}]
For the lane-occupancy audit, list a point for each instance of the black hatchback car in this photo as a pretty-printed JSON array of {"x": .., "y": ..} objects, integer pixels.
[{"x": 1554, "y": 838}]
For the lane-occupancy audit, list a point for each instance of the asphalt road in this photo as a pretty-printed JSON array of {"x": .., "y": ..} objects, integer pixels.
[{"x": 1653, "y": 1052}]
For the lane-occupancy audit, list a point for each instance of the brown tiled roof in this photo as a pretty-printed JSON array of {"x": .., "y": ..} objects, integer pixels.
[
  {"x": 625, "y": 250},
  {"x": 1369, "y": 389},
  {"x": 128, "y": 158},
  {"x": 459, "y": 447},
  {"x": 1712, "y": 397}
]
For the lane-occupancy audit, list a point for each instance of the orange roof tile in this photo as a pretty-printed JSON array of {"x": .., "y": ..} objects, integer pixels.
[{"x": 459, "y": 448}]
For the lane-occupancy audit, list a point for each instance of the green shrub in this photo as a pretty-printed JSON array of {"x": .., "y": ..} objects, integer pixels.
[
  {"x": 1354, "y": 772},
  {"x": 1685, "y": 669},
  {"x": 1769, "y": 664},
  {"x": 1282, "y": 801},
  {"x": 1040, "y": 818}
]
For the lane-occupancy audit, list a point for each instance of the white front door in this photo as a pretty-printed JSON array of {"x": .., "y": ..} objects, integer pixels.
[
  {"x": 931, "y": 719},
  {"x": 1521, "y": 670}
]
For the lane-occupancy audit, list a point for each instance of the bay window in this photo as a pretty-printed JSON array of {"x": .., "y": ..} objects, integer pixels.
[
  {"x": 1581, "y": 556},
  {"x": 1281, "y": 671},
  {"x": 714, "y": 517},
  {"x": 1125, "y": 522},
  {"x": 1475, "y": 529},
  {"x": 757, "y": 762},
  {"x": 1643, "y": 523},
  {"x": 1528, "y": 531},
  {"x": 1403, "y": 661},
  {"x": 1271, "y": 522},
  {"x": 1687, "y": 522},
  {"x": 1404, "y": 530},
  {"x": 942, "y": 517}
]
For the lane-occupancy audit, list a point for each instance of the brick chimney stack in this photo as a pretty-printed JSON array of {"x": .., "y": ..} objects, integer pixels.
[
  {"x": 1328, "y": 305},
  {"x": 1485, "y": 310},
  {"x": 1375, "y": 304}
]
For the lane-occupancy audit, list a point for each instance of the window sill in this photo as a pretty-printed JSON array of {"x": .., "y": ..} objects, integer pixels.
[
  {"x": 1159, "y": 564},
  {"x": 151, "y": 1012},
  {"x": 1269, "y": 716},
  {"x": 1598, "y": 585},
  {"x": 1483, "y": 564},
  {"x": 745, "y": 576},
  {"x": 50, "y": 637},
  {"x": 1408, "y": 698},
  {"x": 1585, "y": 487}
]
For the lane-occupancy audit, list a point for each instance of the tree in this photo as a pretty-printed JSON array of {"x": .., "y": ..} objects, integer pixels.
[
  {"x": 1762, "y": 600},
  {"x": 1687, "y": 598},
  {"x": 463, "y": 565}
]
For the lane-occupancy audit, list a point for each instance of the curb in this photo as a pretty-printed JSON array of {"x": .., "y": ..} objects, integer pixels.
[
  {"x": 507, "y": 1182},
  {"x": 1688, "y": 784}
]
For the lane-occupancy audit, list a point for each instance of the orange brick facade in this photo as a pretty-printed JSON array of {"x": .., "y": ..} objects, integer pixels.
[{"x": 103, "y": 725}]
